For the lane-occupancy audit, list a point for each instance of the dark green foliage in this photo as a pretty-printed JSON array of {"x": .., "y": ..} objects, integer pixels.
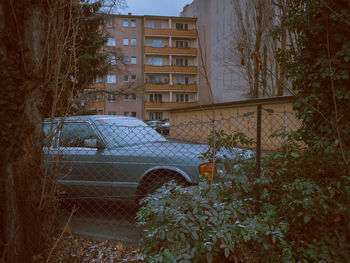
[
  {"x": 224, "y": 143},
  {"x": 318, "y": 64},
  {"x": 200, "y": 223},
  {"x": 292, "y": 213}
]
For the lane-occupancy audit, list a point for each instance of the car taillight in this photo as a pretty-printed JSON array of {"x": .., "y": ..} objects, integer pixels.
[{"x": 208, "y": 170}]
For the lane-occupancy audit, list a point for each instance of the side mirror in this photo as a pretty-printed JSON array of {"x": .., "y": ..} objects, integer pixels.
[{"x": 93, "y": 143}]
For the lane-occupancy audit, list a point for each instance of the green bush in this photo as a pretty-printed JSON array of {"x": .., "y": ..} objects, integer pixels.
[{"x": 297, "y": 211}]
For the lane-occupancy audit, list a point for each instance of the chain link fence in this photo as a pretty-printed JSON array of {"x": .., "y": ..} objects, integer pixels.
[{"x": 105, "y": 165}]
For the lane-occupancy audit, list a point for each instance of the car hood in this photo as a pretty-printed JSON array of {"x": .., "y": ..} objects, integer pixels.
[{"x": 180, "y": 151}]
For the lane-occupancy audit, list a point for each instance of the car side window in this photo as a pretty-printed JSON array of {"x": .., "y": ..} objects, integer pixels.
[
  {"x": 74, "y": 134},
  {"x": 49, "y": 133}
]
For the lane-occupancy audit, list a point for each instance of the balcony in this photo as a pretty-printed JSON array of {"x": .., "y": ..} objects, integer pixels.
[
  {"x": 172, "y": 69},
  {"x": 168, "y": 105},
  {"x": 169, "y": 32},
  {"x": 168, "y": 87},
  {"x": 170, "y": 50},
  {"x": 93, "y": 104},
  {"x": 97, "y": 85}
]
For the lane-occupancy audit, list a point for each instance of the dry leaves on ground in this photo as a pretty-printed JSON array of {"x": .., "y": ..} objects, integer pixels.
[{"x": 72, "y": 249}]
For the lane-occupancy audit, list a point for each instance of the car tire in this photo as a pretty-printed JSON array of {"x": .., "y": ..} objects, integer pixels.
[{"x": 159, "y": 182}]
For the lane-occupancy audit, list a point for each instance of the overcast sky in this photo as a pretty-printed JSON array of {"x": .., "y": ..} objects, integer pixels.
[{"x": 155, "y": 7}]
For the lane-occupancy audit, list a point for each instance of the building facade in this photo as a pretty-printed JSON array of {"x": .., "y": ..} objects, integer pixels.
[
  {"x": 221, "y": 81},
  {"x": 154, "y": 67},
  {"x": 227, "y": 36}
]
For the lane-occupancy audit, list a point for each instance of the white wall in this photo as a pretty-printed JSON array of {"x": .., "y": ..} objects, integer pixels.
[{"x": 216, "y": 24}]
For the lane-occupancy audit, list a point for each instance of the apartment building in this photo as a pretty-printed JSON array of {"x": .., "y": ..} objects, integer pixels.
[
  {"x": 170, "y": 65},
  {"x": 120, "y": 92},
  {"x": 154, "y": 69}
]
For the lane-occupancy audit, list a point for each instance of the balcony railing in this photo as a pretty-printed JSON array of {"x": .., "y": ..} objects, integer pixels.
[
  {"x": 168, "y": 105},
  {"x": 170, "y": 50},
  {"x": 169, "y": 32},
  {"x": 98, "y": 85},
  {"x": 93, "y": 104},
  {"x": 180, "y": 69},
  {"x": 168, "y": 87}
]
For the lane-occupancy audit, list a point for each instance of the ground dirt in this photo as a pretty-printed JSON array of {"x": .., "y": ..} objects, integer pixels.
[{"x": 68, "y": 248}]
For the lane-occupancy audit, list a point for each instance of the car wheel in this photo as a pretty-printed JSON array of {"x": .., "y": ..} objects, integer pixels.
[{"x": 159, "y": 182}]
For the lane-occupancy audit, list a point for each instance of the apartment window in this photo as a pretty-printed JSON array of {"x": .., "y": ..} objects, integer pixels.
[
  {"x": 113, "y": 113},
  {"x": 155, "y": 42},
  {"x": 155, "y": 79},
  {"x": 181, "y": 62},
  {"x": 155, "y": 115},
  {"x": 126, "y": 60},
  {"x": 98, "y": 80},
  {"x": 133, "y": 23},
  {"x": 111, "y": 79},
  {"x": 126, "y": 98},
  {"x": 133, "y": 60},
  {"x": 126, "y": 78},
  {"x": 182, "y": 44},
  {"x": 150, "y": 24},
  {"x": 182, "y": 98},
  {"x": 110, "y": 23},
  {"x": 125, "y": 42},
  {"x": 181, "y": 26},
  {"x": 91, "y": 96},
  {"x": 126, "y": 113},
  {"x": 155, "y": 97},
  {"x": 111, "y": 42},
  {"x": 133, "y": 42},
  {"x": 133, "y": 97},
  {"x": 111, "y": 60},
  {"x": 125, "y": 23},
  {"x": 181, "y": 80},
  {"x": 111, "y": 97},
  {"x": 155, "y": 61},
  {"x": 133, "y": 114},
  {"x": 133, "y": 78}
]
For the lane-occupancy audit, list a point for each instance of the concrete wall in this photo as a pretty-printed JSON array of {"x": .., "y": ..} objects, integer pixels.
[
  {"x": 216, "y": 24},
  {"x": 227, "y": 50},
  {"x": 196, "y": 123}
]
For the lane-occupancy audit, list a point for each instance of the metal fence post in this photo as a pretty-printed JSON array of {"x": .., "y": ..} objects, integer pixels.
[{"x": 258, "y": 141}]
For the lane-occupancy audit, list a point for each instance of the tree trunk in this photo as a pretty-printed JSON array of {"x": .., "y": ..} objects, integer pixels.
[
  {"x": 258, "y": 37},
  {"x": 23, "y": 228},
  {"x": 23, "y": 216},
  {"x": 281, "y": 77}
]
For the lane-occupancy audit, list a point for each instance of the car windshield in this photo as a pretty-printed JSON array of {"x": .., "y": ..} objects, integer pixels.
[{"x": 129, "y": 133}]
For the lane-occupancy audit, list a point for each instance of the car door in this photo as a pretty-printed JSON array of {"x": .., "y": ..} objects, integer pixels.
[{"x": 84, "y": 169}]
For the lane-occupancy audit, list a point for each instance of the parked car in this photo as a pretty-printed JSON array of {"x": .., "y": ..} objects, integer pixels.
[
  {"x": 156, "y": 125},
  {"x": 115, "y": 157},
  {"x": 160, "y": 126},
  {"x": 165, "y": 128}
]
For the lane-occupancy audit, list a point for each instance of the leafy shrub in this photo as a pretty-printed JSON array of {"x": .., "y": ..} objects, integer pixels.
[{"x": 297, "y": 211}]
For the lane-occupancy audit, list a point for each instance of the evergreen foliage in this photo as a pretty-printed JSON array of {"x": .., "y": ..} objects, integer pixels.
[{"x": 319, "y": 66}]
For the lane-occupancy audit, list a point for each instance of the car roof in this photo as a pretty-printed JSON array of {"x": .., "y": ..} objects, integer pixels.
[
  {"x": 101, "y": 119},
  {"x": 154, "y": 121}
]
